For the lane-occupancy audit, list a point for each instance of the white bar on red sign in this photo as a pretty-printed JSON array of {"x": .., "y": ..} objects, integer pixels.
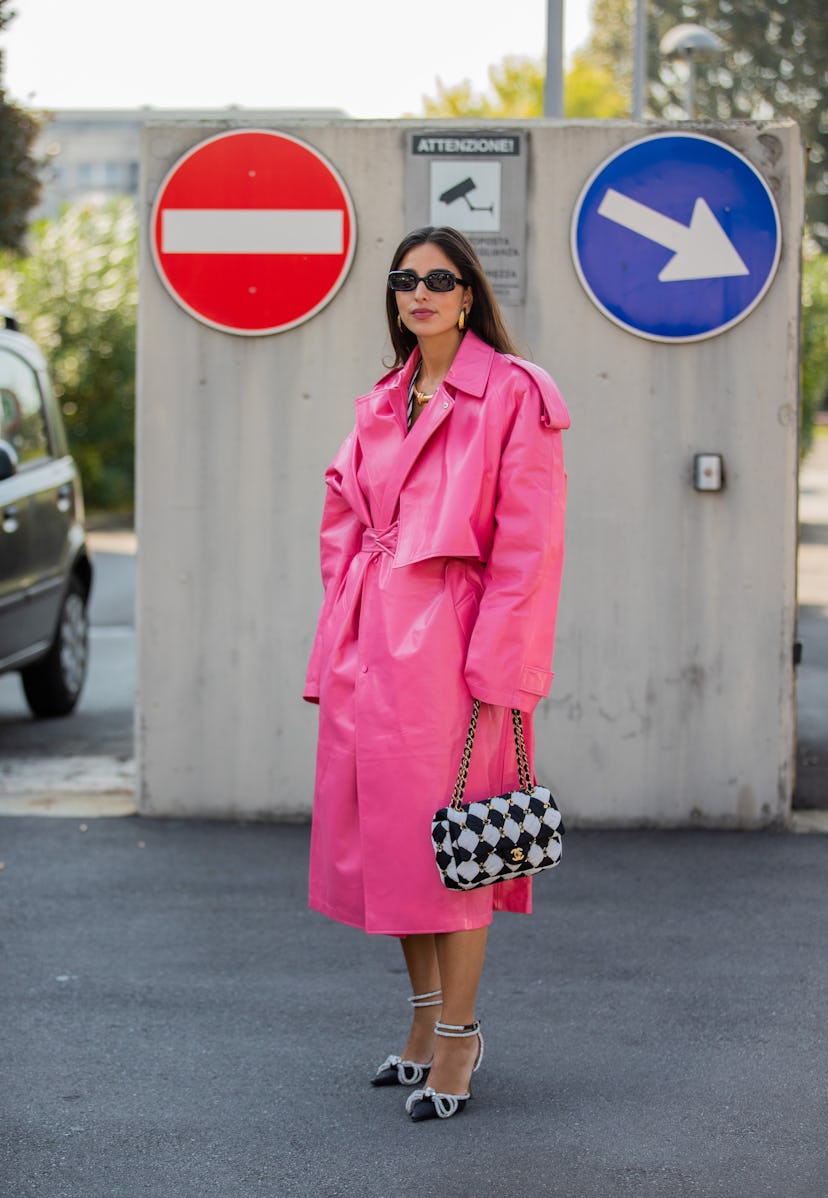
[{"x": 251, "y": 231}]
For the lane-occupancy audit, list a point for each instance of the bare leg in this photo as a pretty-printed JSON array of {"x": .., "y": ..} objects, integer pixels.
[
  {"x": 460, "y": 957},
  {"x": 421, "y": 961}
]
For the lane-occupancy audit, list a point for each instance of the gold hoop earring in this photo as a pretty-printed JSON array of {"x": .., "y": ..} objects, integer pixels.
[
  {"x": 461, "y": 320},
  {"x": 399, "y": 322}
]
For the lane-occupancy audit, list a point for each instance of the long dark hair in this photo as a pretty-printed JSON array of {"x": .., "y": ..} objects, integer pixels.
[{"x": 485, "y": 317}]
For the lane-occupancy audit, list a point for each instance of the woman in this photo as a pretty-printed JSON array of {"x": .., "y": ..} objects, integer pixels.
[{"x": 441, "y": 551}]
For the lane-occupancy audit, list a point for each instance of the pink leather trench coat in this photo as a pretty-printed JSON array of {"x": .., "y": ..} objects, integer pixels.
[{"x": 441, "y": 553}]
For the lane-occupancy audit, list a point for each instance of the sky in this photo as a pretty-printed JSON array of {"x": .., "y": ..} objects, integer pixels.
[{"x": 370, "y": 58}]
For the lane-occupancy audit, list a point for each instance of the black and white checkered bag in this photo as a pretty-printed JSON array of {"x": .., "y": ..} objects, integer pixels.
[{"x": 507, "y": 836}]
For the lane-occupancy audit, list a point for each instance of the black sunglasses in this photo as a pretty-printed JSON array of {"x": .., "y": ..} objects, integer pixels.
[{"x": 435, "y": 280}]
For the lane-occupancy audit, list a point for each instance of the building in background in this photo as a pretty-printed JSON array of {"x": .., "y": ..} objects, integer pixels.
[{"x": 94, "y": 152}]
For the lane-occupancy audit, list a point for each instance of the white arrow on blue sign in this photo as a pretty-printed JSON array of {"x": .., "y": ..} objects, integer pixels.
[{"x": 676, "y": 237}]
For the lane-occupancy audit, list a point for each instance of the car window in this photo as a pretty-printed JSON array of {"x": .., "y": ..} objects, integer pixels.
[{"x": 22, "y": 416}]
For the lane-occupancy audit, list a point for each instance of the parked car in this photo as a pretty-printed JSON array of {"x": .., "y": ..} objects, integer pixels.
[{"x": 45, "y": 566}]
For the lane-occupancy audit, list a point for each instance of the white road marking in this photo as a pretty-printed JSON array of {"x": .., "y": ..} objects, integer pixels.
[{"x": 67, "y": 786}]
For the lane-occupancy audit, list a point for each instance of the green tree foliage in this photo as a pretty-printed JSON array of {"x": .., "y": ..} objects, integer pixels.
[
  {"x": 19, "y": 184},
  {"x": 775, "y": 64},
  {"x": 76, "y": 294},
  {"x": 814, "y": 339},
  {"x": 516, "y": 91},
  {"x": 610, "y": 44},
  {"x": 590, "y": 91}
]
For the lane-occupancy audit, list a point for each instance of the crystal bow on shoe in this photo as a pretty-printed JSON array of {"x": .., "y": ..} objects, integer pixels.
[{"x": 395, "y": 1071}]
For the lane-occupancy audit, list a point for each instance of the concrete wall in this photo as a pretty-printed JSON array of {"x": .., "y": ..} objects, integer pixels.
[{"x": 674, "y": 693}]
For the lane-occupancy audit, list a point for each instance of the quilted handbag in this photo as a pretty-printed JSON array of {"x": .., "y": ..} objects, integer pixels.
[{"x": 491, "y": 840}]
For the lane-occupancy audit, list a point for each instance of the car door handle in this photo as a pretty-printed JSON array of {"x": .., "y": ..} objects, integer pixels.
[
  {"x": 10, "y": 521},
  {"x": 64, "y": 498}
]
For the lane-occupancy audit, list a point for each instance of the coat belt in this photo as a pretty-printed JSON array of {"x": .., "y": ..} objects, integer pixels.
[{"x": 381, "y": 540}]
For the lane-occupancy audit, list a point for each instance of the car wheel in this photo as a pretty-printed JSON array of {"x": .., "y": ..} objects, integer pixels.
[{"x": 53, "y": 685}]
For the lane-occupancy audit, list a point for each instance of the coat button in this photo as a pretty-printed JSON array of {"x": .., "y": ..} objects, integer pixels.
[
  {"x": 365, "y": 669},
  {"x": 445, "y": 405}
]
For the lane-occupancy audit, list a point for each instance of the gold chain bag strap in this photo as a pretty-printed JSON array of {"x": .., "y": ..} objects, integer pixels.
[{"x": 491, "y": 840}]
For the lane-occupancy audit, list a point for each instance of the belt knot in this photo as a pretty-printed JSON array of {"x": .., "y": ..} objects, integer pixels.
[{"x": 381, "y": 540}]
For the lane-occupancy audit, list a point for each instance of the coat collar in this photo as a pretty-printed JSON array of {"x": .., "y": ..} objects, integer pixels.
[
  {"x": 471, "y": 366},
  {"x": 469, "y": 371}
]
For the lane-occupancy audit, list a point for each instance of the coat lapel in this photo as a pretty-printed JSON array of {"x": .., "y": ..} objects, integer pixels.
[
  {"x": 381, "y": 432},
  {"x": 438, "y": 409},
  {"x": 389, "y": 451}
]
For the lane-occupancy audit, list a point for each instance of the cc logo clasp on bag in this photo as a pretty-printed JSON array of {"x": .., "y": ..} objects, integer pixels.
[{"x": 517, "y": 854}]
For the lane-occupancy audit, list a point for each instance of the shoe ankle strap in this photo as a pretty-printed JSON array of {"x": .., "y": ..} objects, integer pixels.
[
  {"x": 433, "y": 998},
  {"x": 457, "y": 1030}
]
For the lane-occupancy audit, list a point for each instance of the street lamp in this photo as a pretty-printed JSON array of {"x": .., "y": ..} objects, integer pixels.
[{"x": 691, "y": 44}]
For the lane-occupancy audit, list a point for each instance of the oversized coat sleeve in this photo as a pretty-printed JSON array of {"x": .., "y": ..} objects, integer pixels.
[
  {"x": 509, "y": 661},
  {"x": 340, "y": 539}
]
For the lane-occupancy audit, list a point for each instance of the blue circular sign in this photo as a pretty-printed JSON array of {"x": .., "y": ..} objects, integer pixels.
[{"x": 676, "y": 237}]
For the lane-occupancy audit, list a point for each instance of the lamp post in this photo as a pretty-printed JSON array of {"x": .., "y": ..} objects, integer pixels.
[
  {"x": 554, "y": 83},
  {"x": 691, "y": 44}
]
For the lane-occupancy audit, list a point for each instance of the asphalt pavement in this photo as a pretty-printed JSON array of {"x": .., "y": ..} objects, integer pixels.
[{"x": 178, "y": 1024}]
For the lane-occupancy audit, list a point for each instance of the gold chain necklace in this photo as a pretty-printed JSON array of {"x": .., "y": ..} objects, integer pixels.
[{"x": 418, "y": 395}]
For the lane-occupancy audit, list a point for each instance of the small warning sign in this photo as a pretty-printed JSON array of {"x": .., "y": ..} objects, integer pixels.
[{"x": 475, "y": 182}]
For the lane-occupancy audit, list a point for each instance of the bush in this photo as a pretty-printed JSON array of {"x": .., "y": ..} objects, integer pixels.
[{"x": 75, "y": 292}]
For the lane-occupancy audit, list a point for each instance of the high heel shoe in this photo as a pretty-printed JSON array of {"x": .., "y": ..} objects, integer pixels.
[
  {"x": 394, "y": 1071},
  {"x": 428, "y": 1103}
]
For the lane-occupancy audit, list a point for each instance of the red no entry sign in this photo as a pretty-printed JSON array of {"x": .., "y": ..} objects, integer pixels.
[{"x": 253, "y": 232}]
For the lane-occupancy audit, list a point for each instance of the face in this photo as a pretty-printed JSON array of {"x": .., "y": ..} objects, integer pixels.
[{"x": 431, "y": 313}]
